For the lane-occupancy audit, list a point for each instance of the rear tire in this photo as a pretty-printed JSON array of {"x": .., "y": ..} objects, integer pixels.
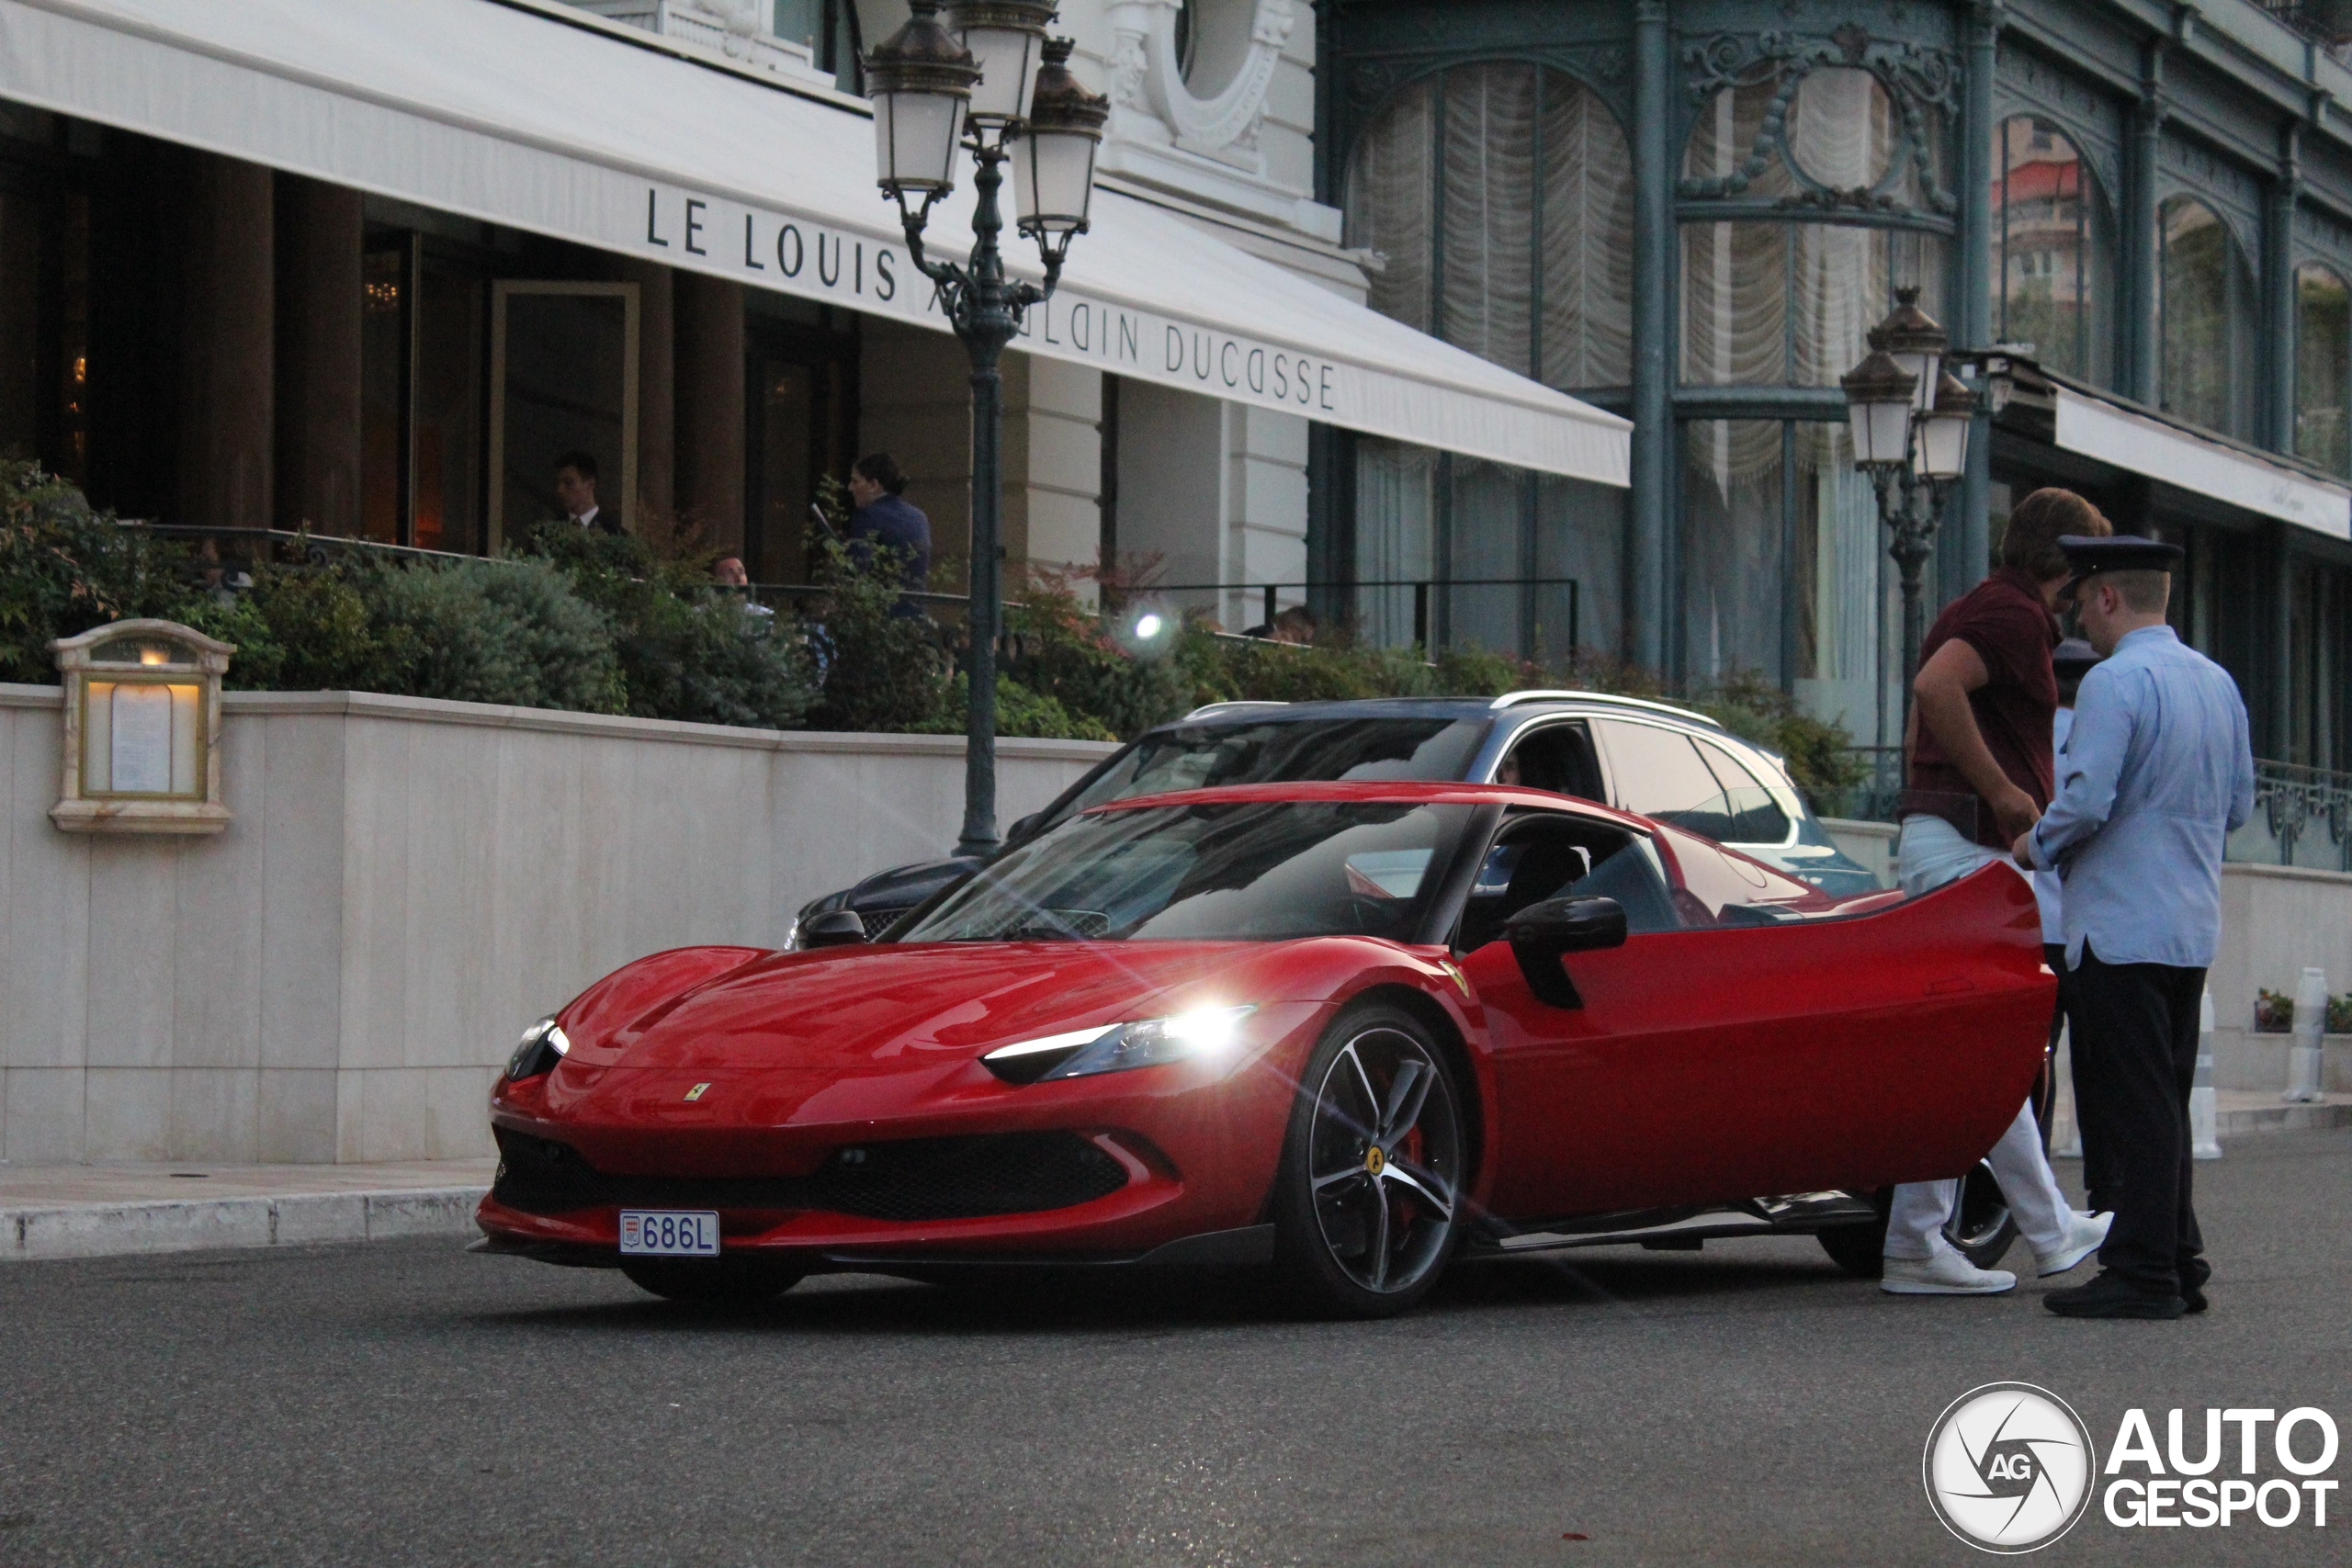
[
  {"x": 1983, "y": 1230},
  {"x": 1368, "y": 1201},
  {"x": 713, "y": 1282}
]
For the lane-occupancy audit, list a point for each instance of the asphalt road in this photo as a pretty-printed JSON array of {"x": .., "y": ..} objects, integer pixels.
[{"x": 408, "y": 1403}]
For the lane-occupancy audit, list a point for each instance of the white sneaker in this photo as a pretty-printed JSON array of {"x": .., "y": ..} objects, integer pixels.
[
  {"x": 2084, "y": 1235},
  {"x": 1945, "y": 1274}
]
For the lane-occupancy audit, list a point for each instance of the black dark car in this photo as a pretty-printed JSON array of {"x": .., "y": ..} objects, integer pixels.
[{"x": 1662, "y": 762}]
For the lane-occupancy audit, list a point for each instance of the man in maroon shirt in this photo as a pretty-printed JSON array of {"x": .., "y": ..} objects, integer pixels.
[{"x": 1981, "y": 773}]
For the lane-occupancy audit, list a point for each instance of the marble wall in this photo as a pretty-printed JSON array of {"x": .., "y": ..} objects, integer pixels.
[{"x": 407, "y": 883}]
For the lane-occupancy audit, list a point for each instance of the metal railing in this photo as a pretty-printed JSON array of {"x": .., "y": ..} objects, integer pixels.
[
  {"x": 1873, "y": 798},
  {"x": 1423, "y": 588},
  {"x": 2302, "y": 816}
]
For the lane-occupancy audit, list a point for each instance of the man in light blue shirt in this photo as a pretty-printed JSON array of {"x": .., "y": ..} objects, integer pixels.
[{"x": 2157, "y": 771}]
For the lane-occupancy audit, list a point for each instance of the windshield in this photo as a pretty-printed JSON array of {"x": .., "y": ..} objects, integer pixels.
[
  {"x": 1276, "y": 751},
  {"x": 1254, "y": 871}
]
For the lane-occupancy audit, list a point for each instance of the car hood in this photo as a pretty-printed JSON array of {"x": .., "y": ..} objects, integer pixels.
[{"x": 844, "y": 1034}]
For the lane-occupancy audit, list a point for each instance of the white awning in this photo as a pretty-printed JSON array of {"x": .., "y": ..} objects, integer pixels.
[
  {"x": 496, "y": 113},
  {"x": 2134, "y": 441}
]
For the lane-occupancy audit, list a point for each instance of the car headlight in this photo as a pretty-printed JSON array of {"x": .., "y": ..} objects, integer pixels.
[
  {"x": 543, "y": 1046},
  {"x": 1082, "y": 1052}
]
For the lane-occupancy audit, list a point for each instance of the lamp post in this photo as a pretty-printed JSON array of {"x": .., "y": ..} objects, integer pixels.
[
  {"x": 1910, "y": 419},
  {"x": 985, "y": 80}
]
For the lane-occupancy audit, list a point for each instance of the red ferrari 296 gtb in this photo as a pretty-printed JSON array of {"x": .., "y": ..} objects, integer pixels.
[{"x": 1345, "y": 1031}]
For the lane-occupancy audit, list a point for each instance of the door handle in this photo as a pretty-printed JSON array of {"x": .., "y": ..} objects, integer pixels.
[{"x": 1955, "y": 986}]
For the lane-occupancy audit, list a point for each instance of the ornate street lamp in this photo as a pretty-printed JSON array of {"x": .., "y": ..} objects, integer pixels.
[
  {"x": 1910, "y": 420},
  {"x": 985, "y": 80}
]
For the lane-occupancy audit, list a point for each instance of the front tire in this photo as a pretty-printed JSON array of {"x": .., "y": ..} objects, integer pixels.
[
  {"x": 712, "y": 1283},
  {"x": 1368, "y": 1202}
]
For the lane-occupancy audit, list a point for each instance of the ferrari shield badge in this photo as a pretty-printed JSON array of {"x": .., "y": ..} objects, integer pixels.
[{"x": 696, "y": 1092}]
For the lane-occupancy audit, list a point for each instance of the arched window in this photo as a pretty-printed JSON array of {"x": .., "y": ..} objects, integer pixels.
[
  {"x": 1502, "y": 196},
  {"x": 2207, "y": 306},
  {"x": 1826, "y": 196},
  {"x": 2051, "y": 250},
  {"x": 1771, "y": 302},
  {"x": 2323, "y": 367}
]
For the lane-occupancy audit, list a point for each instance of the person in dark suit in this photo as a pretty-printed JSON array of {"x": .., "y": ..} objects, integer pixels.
[
  {"x": 575, "y": 489},
  {"x": 885, "y": 518}
]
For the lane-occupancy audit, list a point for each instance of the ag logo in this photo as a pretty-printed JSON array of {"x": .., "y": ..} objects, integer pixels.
[{"x": 2009, "y": 1467}]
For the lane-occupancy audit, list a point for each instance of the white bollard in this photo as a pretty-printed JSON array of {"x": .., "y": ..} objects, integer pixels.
[
  {"x": 2204, "y": 1106},
  {"x": 2065, "y": 1130},
  {"x": 2304, "y": 1059}
]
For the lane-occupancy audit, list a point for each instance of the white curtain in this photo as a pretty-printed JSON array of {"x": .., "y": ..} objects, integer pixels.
[
  {"x": 1588, "y": 242},
  {"x": 1485, "y": 156},
  {"x": 1489, "y": 242},
  {"x": 1395, "y": 503},
  {"x": 1734, "y": 566},
  {"x": 1392, "y": 187}
]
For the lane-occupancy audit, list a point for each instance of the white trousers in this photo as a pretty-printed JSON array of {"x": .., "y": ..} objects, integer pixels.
[
  {"x": 1914, "y": 1226},
  {"x": 1930, "y": 852}
]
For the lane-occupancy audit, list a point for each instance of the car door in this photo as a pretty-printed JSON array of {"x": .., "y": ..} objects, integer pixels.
[{"x": 1745, "y": 1046}]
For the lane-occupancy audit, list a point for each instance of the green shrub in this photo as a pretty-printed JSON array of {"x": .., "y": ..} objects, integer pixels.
[
  {"x": 687, "y": 650},
  {"x": 1021, "y": 714},
  {"x": 883, "y": 670},
  {"x": 312, "y": 632},
  {"x": 493, "y": 631},
  {"x": 1063, "y": 651},
  {"x": 1820, "y": 755},
  {"x": 64, "y": 569}
]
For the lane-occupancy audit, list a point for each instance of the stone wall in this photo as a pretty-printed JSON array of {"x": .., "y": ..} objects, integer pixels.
[{"x": 406, "y": 884}]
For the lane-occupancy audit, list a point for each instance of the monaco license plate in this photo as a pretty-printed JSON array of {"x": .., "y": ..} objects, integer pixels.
[{"x": 655, "y": 1233}]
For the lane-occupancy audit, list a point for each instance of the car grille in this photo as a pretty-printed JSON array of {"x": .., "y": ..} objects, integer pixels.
[{"x": 910, "y": 1179}]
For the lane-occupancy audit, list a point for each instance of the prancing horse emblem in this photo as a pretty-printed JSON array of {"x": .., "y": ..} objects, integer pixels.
[{"x": 696, "y": 1092}]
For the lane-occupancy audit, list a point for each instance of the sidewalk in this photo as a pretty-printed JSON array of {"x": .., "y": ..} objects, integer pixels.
[
  {"x": 2247, "y": 1111},
  {"x": 93, "y": 1211}
]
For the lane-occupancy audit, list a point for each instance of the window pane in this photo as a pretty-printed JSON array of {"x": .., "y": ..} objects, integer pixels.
[
  {"x": 1391, "y": 187},
  {"x": 1756, "y": 818},
  {"x": 1842, "y": 131},
  {"x": 1736, "y": 304},
  {"x": 2050, "y": 255},
  {"x": 1588, "y": 241},
  {"x": 2203, "y": 324},
  {"x": 448, "y": 409},
  {"x": 1658, "y": 774},
  {"x": 1731, "y": 479},
  {"x": 1490, "y": 510},
  {"x": 1490, "y": 173},
  {"x": 1725, "y": 136},
  {"x": 1837, "y": 568},
  {"x": 2323, "y": 367},
  {"x": 1396, "y": 502},
  {"x": 383, "y": 382}
]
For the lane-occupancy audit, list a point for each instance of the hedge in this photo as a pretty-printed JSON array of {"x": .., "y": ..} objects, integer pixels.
[{"x": 596, "y": 623}]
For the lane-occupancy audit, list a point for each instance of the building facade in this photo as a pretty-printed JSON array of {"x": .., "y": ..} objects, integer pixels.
[
  {"x": 426, "y": 249},
  {"x": 1692, "y": 212}
]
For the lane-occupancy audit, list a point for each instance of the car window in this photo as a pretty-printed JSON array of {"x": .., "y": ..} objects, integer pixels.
[
  {"x": 1558, "y": 757},
  {"x": 1210, "y": 756},
  {"x": 1659, "y": 773},
  {"x": 1755, "y": 816},
  {"x": 1720, "y": 887},
  {"x": 1252, "y": 871},
  {"x": 1548, "y": 855}
]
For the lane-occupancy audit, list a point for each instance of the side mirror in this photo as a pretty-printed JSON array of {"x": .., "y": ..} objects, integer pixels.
[
  {"x": 834, "y": 928},
  {"x": 1541, "y": 934}
]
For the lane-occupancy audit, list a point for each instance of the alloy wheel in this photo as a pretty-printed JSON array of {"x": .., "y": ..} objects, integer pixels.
[{"x": 1384, "y": 1161}]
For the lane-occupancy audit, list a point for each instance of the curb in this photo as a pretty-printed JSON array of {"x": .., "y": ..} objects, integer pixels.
[
  {"x": 105, "y": 1230},
  {"x": 2244, "y": 1121}
]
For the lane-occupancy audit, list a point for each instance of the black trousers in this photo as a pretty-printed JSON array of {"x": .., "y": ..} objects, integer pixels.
[
  {"x": 2135, "y": 1032},
  {"x": 2098, "y": 1180}
]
